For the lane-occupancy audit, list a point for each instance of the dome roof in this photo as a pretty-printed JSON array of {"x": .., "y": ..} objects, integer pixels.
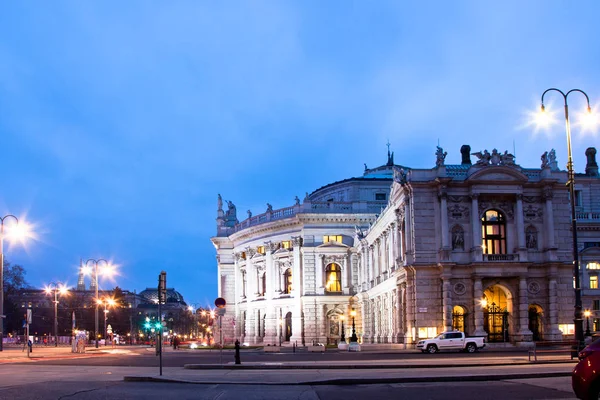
[{"x": 151, "y": 296}]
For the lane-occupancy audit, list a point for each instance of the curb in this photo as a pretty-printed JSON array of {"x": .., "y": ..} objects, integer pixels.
[
  {"x": 360, "y": 366},
  {"x": 359, "y": 381}
]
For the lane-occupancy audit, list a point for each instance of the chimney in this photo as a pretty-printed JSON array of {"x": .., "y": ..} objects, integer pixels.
[
  {"x": 591, "y": 167},
  {"x": 465, "y": 150}
]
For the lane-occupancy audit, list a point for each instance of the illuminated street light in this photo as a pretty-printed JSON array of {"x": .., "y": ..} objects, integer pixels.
[
  {"x": 353, "y": 338},
  {"x": 587, "y": 314},
  {"x": 16, "y": 232},
  {"x": 56, "y": 289},
  {"x": 108, "y": 302},
  {"x": 571, "y": 183},
  {"x": 94, "y": 272}
]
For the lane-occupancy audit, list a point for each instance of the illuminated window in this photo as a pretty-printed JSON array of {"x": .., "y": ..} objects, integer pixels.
[
  {"x": 332, "y": 238},
  {"x": 593, "y": 265},
  {"x": 286, "y": 244},
  {"x": 260, "y": 249},
  {"x": 333, "y": 273},
  {"x": 593, "y": 282},
  {"x": 287, "y": 280},
  {"x": 567, "y": 329},
  {"x": 262, "y": 283},
  {"x": 493, "y": 228},
  {"x": 243, "y": 255},
  {"x": 427, "y": 332}
]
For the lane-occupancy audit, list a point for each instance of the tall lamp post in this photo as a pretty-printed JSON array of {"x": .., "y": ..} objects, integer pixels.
[
  {"x": 107, "y": 302},
  {"x": 343, "y": 335},
  {"x": 2, "y": 316},
  {"x": 353, "y": 338},
  {"x": 571, "y": 183},
  {"x": 55, "y": 289},
  {"x": 587, "y": 314},
  {"x": 94, "y": 273}
]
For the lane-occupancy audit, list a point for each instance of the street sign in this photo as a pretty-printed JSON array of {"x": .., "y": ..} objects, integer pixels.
[
  {"x": 29, "y": 315},
  {"x": 220, "y": 302},
  {"x": 220, "y": 311}
]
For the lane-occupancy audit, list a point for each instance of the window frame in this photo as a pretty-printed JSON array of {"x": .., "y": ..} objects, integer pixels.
[
  {"x": 493, "y": 243},
  {"x": 336, "y": 270},
  {"x": 287, "y": 281}
]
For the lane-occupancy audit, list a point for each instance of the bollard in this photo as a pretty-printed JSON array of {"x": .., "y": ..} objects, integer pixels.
[{"x": 237, "y": 352}]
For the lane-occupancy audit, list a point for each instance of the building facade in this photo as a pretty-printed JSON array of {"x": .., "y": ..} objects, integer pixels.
[{"x": 482, "y": 247}]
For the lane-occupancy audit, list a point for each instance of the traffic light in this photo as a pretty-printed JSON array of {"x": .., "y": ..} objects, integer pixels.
[
  {"x": 162, "y": 287},
  {"x": 158, "y": 325},
  {"x": 147, "y": 325}
]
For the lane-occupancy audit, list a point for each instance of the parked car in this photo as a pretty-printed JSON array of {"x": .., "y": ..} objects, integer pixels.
[
  {"x": 585, "y": 378},
  {"x": 454, "y": 340}
]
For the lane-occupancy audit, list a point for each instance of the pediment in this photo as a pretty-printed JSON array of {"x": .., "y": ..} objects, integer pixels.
[
  {"x": 498, "y": 174},
  {"x": 282, "y": 251},
  {"x": 591, "y": 252}
]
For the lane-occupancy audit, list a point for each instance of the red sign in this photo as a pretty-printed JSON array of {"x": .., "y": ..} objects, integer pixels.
[{"x": 220, "y": 302}]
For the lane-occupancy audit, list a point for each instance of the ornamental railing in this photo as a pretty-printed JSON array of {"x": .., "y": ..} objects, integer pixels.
[
  {"x": 317, "y": 207},
  {"x": 588, "y": 216}
]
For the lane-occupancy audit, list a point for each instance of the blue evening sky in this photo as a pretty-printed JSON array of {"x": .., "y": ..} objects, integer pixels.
[{"x": 121, "y": 121}]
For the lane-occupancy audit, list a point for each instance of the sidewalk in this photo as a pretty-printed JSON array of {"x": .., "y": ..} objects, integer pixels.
[{"x": 14, "y": 353}]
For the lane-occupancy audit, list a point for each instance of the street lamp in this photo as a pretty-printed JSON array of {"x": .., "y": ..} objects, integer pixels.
[
  {"x": 2, "y": 316},
  {"x": 108, "y": 302},
  {"x": 571, "y": 183},
  {"x": 587, "y": 314},
  {"x": 343, "y": 335},
  {"x": 353, "y": 338},
  {"x": 56, "y": 289},
  {"x": 94, "y": 273}
]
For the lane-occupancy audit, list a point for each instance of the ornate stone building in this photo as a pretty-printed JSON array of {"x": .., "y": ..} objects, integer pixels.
[{"x": 484, "y": 248}]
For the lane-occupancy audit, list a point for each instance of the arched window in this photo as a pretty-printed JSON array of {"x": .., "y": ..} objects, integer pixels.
[
  {"x": 531, "y": 238},
  {"x": 493, "y": 226},
  {"x": 333, "y": 274},
  {"x": 262, "y": 284},
  {"x": 287, "y": 281}
]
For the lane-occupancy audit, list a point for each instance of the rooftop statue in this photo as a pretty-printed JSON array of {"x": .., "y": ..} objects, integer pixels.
[
  {"x": 219, "y": 203},
  {"x": 440, "y": 157},
  {"x": 496, "y": 158}
]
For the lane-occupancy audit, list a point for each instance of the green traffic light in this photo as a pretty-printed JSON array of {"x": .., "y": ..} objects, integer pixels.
[
  {"x": 147, "y": 325},
  {"x": 158, "y": 325}
]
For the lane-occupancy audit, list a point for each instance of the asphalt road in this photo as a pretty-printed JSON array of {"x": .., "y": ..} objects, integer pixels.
[
  {"x": 549, "y": 388},
  {"x": 143, "y": 356}
]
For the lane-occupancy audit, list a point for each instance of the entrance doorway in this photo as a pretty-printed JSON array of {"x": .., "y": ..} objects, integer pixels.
[
  {"x": 495, "y": 314},
  {"x": 288, "y": 326},
  {"x": 458, "y": 318},
  {"x": 535, "y": 321}
]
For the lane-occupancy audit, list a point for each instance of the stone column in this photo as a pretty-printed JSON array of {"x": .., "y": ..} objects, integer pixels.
[
  {"x": 524, "y": 335},
  {"x": 477, "y": 310},
  {"x": 393, "y": 246},
  {"x": 444, "y": 215},
  {"x": 554, "y": 333},
  {"x": 409, "y": 234},
  {"x": 447, "y": 302},
  {"x": 476, "y": 251},
  {"x": 377, "y": 258},
  {"x": 319, "y": 271},
  {"x": 550, "y": 244},
  {"x": 371, "y": 265},
  {"x": 273, "y": 280},
  {"x": 366, "y": 324},
  {"x": 345, "y": 275},
  {"x": 297, "y": 292},
  {"x": 520, "y": 229},
  {"x": 384, "y": 253}
]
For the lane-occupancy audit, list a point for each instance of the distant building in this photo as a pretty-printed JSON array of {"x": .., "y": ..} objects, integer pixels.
[{"x": 481, "y": 247}]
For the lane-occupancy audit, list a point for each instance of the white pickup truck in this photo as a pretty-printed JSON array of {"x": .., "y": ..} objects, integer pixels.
[{"x": 454, "y": 340}]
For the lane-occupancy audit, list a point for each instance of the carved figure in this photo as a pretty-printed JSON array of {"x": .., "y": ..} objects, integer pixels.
[
  {"x": 297, "y": 201},
  {"x": 507, "y": 158},
  {"x": 366, "y": 166},
  {"x": 269, "y": 208},
  {"x": 249, "y": 214},
  {"x": 306, "y": 197},
  {"x": 531, "y": 240},
  {"x": 219, "y": 202},
  {"x": 545, "y": 161},
  {"x": 440, "y": 157},
  {"x": 483, "y": 158},
  {"x": 495, "y": 158},
  {"x": 458, "y": 239},
  {"x": 400, "y": 176}
]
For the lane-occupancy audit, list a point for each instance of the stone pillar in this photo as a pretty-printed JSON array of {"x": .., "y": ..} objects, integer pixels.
[
  {"x": 345, "y": 275},
  {"x": 297, "y": 291},
  {"x": 377, "y": 257},
  {"x": 553, "y": 332},
  {"x": 477, "y": 310},
  {"x": 371, "y": 265},
  {"x": 409, "y": 234},
  {"x": 447, "y": 302},
  {"x": 550, "y": 245},
  {"x": 444, "y": 215},
  {"x": 385, "y": 256},
  {"x": 273, "y": 281},
  {"x": 522, "y": 249},
  {"x": 319, "y": 272},
  {"x": 524, "y": 334},
  {"x": 476, "y": 251}
]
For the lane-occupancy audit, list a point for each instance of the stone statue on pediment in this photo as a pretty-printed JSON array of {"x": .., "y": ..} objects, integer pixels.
[
  {"x": 296, "y": 201},
  {"x": 249, "y": 214},
  {"x": 269, "y": 208},
  {"x": 219, "y": 202},
  {"x": 495, "y": 158},
  {"x": 483, "y": 157},
  {"x": 545, "y": 160},
  {"x": 507, "y": 158},
  {"x": 440, "y": 157}
]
